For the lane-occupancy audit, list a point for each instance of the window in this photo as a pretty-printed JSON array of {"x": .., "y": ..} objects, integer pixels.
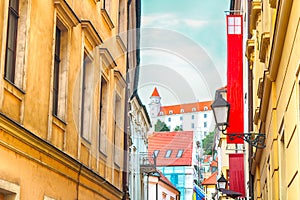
[
  {"x": 169, "y": 119},
  {"x": 181, "y": 118},
  {"x": 11, "y": 43},
  {"x": 205, "y": 115},
  {"x": 164, "y": 196},
  {"x": 122, "y": 22},
  {"x": 168, "y": 154},
  {"x": 9, "y": 190},
  {"x": 103, "y": 115},
  {"x": 56, "y": 71},
  {"x": 205, "y": 124},
  {"x": 192, "y": 125},
  {"x": 193, "y": 117},
  {"x": 156, "y": 152},
  {"x": 61, "y": 57},
  {"x": 86, "y": 102},
  {"x": 234, "y": 25},
  {"x": 117, "y": 129},
  {"x": 161, "y": 113},
  {"x": 179, "y": 153}
]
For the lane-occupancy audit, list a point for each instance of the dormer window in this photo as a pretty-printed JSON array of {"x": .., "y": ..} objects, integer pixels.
[
  {"x": 193, "y": 109},
  {"x": 182, "y": 110},
  {"x": 205, "y": 108},
  {"x": 168, "y": 154},
  {"x": 171, "y": 112},
  {"x": 161, "y": 113},
  {"x": 179, "y": 153}
]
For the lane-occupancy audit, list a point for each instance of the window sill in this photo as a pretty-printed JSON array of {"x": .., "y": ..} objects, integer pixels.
[{"x": 107, "y": 19}]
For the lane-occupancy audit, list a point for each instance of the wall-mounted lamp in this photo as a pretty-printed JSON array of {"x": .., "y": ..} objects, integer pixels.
[{"x": 221, "y": 110}]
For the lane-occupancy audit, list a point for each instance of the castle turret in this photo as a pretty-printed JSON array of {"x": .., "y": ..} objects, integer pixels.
[{"x": 154, "y": 104}]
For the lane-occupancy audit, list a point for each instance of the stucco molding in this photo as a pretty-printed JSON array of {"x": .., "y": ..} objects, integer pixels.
[
  {"x": 121, "y": 43},
  {"x": 25, "y": 143},
  {"x": 65, "y": 13},
  {"x": 264, "y": 44},
  {"x": 256, "y": 10},
  {"x": 107, "y": 58},
  {"x": 91, "y": 33},
  {"x": 107, "y": 19},
  {"x": 120, "y": 79}
]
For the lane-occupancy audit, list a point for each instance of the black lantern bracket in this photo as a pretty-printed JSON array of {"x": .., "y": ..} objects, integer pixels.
[{"x": 221, "y": 110}]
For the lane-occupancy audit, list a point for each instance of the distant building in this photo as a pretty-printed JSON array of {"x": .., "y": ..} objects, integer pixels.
[
  {"x": 175, "y": 152},
  {"x": 197, "y": 117},
  {"x": 161, "y": 188},
  {"x": 139, "y": 127}
]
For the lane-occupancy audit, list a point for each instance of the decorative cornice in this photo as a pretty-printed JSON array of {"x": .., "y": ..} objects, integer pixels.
[
  {"x": 121, "y": 43},
  {"x": 264, "y": 43},
  {"x": 25, "y": 143},
  {"x": 256, "y": 9},
  {"x": 260, "y": 88},
  {"x": 120, "y": 78},
  {"x": 66, "y": 13},
  {"x": 107, "y": 19},
  {"x": 249, "y": 48},
  {"x": 91, "y": 33},
  {"x": 107, "y": 58},
  {"x": 273, "y": 3}
]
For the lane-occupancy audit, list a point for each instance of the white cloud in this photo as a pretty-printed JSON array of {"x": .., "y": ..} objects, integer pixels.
[{"x": 170, "y": 20}]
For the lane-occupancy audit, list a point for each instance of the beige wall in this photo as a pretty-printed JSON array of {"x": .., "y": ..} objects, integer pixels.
[
  {"x": 274, "y": 58},
  {"x": 45, "y": 154}
]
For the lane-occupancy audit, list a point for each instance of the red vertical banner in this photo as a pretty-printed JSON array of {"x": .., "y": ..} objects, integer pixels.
[
  {"x": 236, "y": 173},
  {"x": 235, "y": 77}
]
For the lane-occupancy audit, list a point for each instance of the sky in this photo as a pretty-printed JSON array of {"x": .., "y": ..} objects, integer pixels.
[{"x": 183, "y": 49}]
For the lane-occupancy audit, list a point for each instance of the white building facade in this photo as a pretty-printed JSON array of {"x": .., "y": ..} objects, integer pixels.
[
  {"x": 197, "y": 117},
  {"x": 139, "y": 125}
]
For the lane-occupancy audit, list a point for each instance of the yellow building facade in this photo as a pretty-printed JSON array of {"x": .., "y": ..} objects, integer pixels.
[
  {"x": 62, "y": 99},
  {"x": 273, "y": 54}
]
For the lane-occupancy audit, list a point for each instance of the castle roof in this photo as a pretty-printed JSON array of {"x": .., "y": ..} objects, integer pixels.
[
  {"x": 155, "y": 93},
  {"x": 185, "y": 108}
]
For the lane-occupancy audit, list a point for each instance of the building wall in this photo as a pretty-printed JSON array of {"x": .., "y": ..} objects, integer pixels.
[
  {"x": 161, "y": 190},
  {"x": 138, "y": 149},
  {"x": 273, "y": 53},
  {"x": 45, "y": 154},
  {"x": 182, "y": 177}
]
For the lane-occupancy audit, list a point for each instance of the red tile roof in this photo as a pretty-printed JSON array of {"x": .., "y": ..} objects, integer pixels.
[
  {"x": 212, "y": 180},
  {"x": 214, "y": 163},
  {"x": 174, "y": 141},
  {"x": 155, "y": 93},
  {"x": 166, "y": 180},
  {"x": 207, "y": 159},
  {"x": 185, "y": 108}
]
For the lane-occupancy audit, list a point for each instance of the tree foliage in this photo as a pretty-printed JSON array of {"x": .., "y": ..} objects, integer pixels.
[
  {"x": 161, "y": 126},
  {"x": 207, "y": 143},
  {"x": 178, "y": 128}
]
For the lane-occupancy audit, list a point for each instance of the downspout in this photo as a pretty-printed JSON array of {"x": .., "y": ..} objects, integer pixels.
[
  {"x": 126, "y": 125},
  {"x": 250, "y": 110}
]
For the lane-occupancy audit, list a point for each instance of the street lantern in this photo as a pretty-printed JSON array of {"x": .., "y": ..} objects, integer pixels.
[
  {"x": 154, "y": 156},
  {"x": 222, "y": 182},
  {"x": 221, "y": 109}
]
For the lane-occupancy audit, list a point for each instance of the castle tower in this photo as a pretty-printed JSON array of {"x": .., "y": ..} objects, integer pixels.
[{"x": 154, "y": 104}]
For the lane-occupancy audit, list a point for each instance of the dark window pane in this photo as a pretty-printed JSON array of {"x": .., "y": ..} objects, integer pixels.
[
  {"x": 56, "y": 71},
  {"x": 14, "y": 4},
  {"x": 11, "y": 42}
]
